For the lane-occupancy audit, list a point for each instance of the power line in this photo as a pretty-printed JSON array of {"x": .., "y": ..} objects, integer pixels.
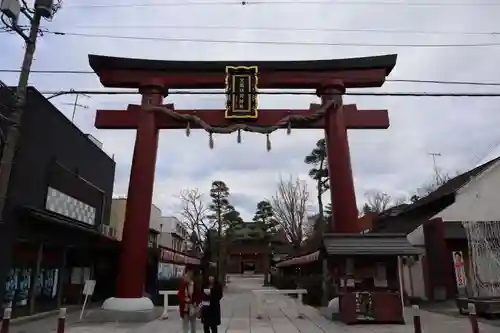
[
  {"x": 465, "y": 83},
  {"x": 187, "y": 92},
  {"x": 288, "y": 43},
  {"x": 296, "y": 2},
  {"x": 441, "y": 82},
  {"x": 48, "y": 71},
  {"x": 229, "y": 27}
]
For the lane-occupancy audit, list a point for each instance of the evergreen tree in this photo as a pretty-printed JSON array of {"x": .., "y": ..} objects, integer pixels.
[
  {"x": 318, "y": 158},
  {"x": 220, "y": 206},
  {"x": 264, "y": 217},
  {"x": 231, "y": 220}
]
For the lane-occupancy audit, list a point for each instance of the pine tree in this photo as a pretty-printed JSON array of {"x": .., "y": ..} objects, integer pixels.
[
  {"x": 220, "y": 207},
  {"x": 264, "y": 217},
  {"x": 318, "y": 158},
  {"x": 231, "y": 220}
]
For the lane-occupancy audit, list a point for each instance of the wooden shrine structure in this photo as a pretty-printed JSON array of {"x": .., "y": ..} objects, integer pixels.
[{"x": 242, "y": 80}]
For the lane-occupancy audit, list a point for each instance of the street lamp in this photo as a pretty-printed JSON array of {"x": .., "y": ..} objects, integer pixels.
[{"x": 12, "y": 9}]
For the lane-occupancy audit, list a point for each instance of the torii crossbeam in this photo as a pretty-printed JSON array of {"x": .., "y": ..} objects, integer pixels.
[
  {"x": 128, "y": 119},
  {"x": 154, "y": 79}
]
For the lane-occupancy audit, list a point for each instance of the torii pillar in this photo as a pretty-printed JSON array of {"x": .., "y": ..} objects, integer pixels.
[
  {"x": 134, "y": 249},
  {"x": 342, "y": 193}
]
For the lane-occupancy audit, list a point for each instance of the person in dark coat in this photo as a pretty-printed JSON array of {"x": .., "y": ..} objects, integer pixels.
[{"x": 210, "y": 310}]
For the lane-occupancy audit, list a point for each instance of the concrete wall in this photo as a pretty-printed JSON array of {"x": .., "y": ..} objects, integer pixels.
[
  {"x": 413, "y": 275},
  {"x": 117, "y": 218},
  {"x": 166, "y": 225},
  {"x": 173, "y": 235},
  {"x": 156, "y": 219}
]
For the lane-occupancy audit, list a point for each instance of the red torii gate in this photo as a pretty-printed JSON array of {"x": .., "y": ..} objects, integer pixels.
[{"x": 153, "y": 78}]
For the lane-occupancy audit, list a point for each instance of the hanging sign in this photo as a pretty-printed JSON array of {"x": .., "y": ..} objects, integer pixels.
[{"x": 241, "y": 92}]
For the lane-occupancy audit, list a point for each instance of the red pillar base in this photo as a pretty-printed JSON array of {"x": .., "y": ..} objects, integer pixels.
[{"x": 128, "y": 304}]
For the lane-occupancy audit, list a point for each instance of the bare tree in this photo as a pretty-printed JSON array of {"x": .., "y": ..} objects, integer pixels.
[
  {"x": 290, "y": 206},
  {"x": 194, "y": 214},
  {"x": 437, "y": 181},
  {"x": 377, "y": 202},
  {"x": 399, "y": 200}
]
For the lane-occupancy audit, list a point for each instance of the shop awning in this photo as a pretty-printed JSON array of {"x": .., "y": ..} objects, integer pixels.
[
  {"x": 368, "y": 244},
  {"x": 302, "y": 260},
  {"x": 56, "y": 229},
  {"x": 172, "y": 257}
]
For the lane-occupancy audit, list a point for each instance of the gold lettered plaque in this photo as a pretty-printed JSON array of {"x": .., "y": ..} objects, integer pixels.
[{"x": 241, "y": 92}]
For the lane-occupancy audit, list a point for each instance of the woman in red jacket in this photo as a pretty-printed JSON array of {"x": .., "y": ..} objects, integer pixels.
[{"x": 188, "y": 303}]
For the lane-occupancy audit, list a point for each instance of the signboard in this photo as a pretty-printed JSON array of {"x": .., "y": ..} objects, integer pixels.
[
  {"x": 460, "y": 276},
  {"x": 88, "y": 288},
  {"x": 241, "y": 92},
  {"x": 88, "y": 291},
  {"x": 364, "y": 306}
]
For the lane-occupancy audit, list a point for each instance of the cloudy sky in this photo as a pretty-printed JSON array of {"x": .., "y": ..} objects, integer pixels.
[{"x": 397, "y": 161}]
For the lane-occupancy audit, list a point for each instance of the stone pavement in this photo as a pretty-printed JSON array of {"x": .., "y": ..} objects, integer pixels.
[{"x": 280, "y": 316}]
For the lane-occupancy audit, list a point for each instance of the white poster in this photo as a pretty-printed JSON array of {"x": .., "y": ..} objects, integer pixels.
[{"x": 458, "y": 262}]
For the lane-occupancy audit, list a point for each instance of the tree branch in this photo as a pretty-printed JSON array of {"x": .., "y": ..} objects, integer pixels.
[
  {"x": 194, "y": 212},
  {"x": 290, "y": 205}
]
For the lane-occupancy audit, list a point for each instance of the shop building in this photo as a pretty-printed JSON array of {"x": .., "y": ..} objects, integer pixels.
[{"x": 57, "y": 209}]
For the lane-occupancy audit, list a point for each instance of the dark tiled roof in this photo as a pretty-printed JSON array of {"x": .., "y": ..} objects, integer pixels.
[
  {"x": 414, "y": 214},
  {"x": 452, "y": 185},
  {"x": 248, "y": 230},
  {"x": 99, "y": 63},
  {"x": 368, "y": 244}
]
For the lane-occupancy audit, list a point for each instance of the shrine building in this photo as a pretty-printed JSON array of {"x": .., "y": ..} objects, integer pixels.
[{"x": 251, "y": 252}]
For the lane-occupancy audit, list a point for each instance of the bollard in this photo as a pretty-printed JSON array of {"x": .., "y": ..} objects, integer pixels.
[
  {"x": 300, "y": 303},
  {"x": 164, "y": 315},
  {"x": 7, "y": 314},
  {"x": 61, "y": 321},
  {"x": 259, "y": 306},
  {"x": 473, "y": 317},
  {"x": 417, "y": 324}
]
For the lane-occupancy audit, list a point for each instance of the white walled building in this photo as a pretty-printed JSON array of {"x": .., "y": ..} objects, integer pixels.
[
  {"x": 437, "y": 223},
  {"x": 117, "y": 217},
  {"x": 173, "y": 235}
]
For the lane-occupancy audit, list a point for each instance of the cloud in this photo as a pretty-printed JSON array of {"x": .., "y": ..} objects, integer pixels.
[{"x": 396, "y": 160}]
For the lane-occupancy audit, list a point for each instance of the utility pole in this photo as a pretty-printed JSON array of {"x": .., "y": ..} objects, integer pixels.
[{"x": 12, "y": 9}]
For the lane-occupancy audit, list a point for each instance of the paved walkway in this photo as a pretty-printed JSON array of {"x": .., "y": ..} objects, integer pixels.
[{"x": 280, "y": 316}]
